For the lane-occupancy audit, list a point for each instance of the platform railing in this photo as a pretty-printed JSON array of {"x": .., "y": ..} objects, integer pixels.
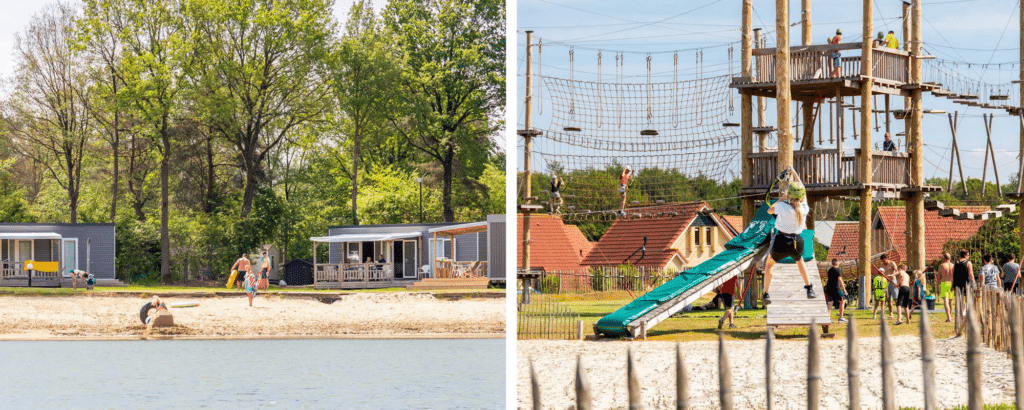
[
  {"x": 815, "y": 62},
  {"x": 352, "y": 275},
  {"x": 823, "y": 168}
]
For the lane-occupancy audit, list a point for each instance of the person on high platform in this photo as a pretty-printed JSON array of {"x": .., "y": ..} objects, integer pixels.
[
  {"x": 555, "y": 206},
  {"x": 790, "y": 218},
  {"x": 891, "y": 41},
  {"x": 888, "y": 145},
  {"x": 836, "y": 55}
]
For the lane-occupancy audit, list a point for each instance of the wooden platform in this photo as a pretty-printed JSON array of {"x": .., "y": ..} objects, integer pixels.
[
  {"x": 790, "y": 305},
  {"x": 442, "y": 284}
]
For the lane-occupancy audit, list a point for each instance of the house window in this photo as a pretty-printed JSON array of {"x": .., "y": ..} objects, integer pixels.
[
  {"x": 696, "y": 236},
  {"x": 353, "y": 252},
  {"x": 708, "y": 237}
]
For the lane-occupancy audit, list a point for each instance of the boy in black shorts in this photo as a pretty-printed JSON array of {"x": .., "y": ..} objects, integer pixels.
[
  {"x": 835, "y": 290},
  {"x": 726, "y": 292},
  {"x": 904, "y": 301}
]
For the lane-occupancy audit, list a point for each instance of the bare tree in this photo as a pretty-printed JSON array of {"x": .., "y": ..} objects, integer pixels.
[{"x": 48, "y": 119}]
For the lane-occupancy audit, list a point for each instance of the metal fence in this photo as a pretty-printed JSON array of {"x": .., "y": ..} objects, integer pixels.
[{"x": 1006, "y": 311}]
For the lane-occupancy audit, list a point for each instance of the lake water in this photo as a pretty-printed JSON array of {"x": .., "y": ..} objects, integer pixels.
[{"x": 321, "y": 373}]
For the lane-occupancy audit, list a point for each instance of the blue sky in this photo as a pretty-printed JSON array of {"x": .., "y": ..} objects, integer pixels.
[{"x": 955, "y": 31}]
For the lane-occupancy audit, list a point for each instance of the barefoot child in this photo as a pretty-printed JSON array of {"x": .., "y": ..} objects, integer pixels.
[{"x": 944, "y": 283}]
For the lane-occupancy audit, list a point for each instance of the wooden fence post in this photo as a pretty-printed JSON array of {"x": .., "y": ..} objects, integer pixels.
[
  {"x": 768, "y": 366},
  {"x": 813, "y": 371},
  {"x": 682, "y": 379},
  {"x": 974, "y": 381},
  {"x": 927, "y": 359},
  {"x": 888, "y": 375},
  {"x": 724, "y": 375},
  {"x": 583, "y": 399},
  {"x": 1017, "y": 350},
  {"x": 535, "y": 388},
  {"x": 853, "y": 363},
  {"x": 633, "y": 382}
]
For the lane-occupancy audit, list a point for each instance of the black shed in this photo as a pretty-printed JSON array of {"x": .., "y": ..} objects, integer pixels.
[{"x": 298, "y": 272}]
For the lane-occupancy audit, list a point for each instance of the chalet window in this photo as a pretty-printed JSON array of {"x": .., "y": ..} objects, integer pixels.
[
  {"x": 696, "y": 236},
  {"x": 707, "y": 236}
]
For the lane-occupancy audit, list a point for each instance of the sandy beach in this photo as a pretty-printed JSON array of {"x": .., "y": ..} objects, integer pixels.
[
  {"x": 387, "y": 315},
  {"x": 605, "y": 362}
]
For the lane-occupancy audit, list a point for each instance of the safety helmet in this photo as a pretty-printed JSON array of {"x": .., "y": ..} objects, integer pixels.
[
  {"x": 839, "y": 31},
  {"x": 796, "y": 190},
  {"x": 628, "y": 168},
  {"x": 881, "y": 35}
]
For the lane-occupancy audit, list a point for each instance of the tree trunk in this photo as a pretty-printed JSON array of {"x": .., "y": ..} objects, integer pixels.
[
  {"x": 449, "y": 159},
  {"x": 165, "y": 242},
  {"x": 208, "y": 201},
  {"x": 115, "y": 145},
  {"x": 355, "y": 173}
]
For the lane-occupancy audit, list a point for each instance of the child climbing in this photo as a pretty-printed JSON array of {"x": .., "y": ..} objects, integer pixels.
[
  {"x": 556, "y": 195},
  {"x": 624, "y": 177},
  {"x": 790, "y": 218}
]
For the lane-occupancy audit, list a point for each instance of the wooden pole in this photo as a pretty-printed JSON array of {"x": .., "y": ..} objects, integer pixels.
[
  {"x": 782, "y": 91},
  {"x": 813, "y": 368},
  {"x": 806, "y": 106},
  {"x": 1017, "y": 350},
  {"x": 915, "y": 147},
  {"x": 906, "y": 47},
  {"x": 853, "y": 364},
  {"x": 762, "y": 105},
  {"x": 724, "y": 376},
  {"x": 746, "y": 112},
  {"x": 927, "y": 359},
  {"x": 1020, "y": 173},
  {"x": 633, "y": 382},
  {"x": 583, "y": 399},
  {"x": 682, "y": 379},
  {"x": 527, "y": 148},
  {"x": 535, "y": 388},
  {"x": 975, "y": 398},
  {"x": 769, "y": 335},
  {"x": 864, "y": 236},
  {"x": 888, "y": 373}
]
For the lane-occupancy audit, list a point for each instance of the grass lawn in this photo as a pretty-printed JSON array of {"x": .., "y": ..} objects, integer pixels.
[{"x": 750, "y": 323}]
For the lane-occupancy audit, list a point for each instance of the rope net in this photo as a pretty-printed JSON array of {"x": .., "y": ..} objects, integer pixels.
[{"x": 672, "y": 135}]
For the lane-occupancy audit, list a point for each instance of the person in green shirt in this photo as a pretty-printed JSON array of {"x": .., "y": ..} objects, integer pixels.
[
  {"x": 879, "y": 284},
  {"x": 891, "y": 41}
]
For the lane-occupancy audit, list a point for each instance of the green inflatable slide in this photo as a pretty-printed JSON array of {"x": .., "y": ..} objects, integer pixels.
[{"x": 683, "y": 290}]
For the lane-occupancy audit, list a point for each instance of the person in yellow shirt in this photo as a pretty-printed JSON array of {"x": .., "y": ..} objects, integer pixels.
[{"x": 891, "y": 41}]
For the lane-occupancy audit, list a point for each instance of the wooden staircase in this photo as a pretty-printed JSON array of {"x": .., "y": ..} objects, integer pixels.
[{"x": 454, "y": 283}]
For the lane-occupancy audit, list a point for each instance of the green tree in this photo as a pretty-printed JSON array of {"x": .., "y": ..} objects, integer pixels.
[
  {"x": 364, "y": 74},
  {"x": 452, "y": 89},
  {"x": 260, "y": 76}
]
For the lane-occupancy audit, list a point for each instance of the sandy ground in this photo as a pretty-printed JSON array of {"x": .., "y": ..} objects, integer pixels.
[
  {"x": 605, "y": 363},
  {"x": 350, "y": 315}
]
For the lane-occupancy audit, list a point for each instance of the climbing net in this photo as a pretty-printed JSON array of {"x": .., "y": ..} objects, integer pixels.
[{"x": 672, "y": 135}]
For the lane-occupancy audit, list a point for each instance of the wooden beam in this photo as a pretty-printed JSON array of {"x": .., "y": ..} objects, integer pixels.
[
  {"x": 746, "y": 112},
  {"x": 785, "y": 135},
  {"x": 864, "y": 253}
]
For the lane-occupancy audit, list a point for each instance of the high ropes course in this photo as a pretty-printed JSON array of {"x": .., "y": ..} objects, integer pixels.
[{"x": 674, "y": 136}]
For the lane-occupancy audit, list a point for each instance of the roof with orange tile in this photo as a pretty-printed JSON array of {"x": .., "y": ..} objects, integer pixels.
[
  {"x": 623, "y": 241},
  {"x": 735, "y": 222},
  {"x": 550, "y": 247},
  {"x": 845, "y": 242},
  {"x": 937, "y": 229},
  {"x": 579, "y": 242}
]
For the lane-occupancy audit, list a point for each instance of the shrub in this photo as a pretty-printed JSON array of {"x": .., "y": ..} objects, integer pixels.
[
  {"x": 598, "y": 280},
  {"x": 550, "y": 284}
]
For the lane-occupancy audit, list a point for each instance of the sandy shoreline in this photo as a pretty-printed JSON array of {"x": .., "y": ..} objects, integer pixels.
[
  {"x": 605, "y": 363},
  {"x": 353, "y": 315}
]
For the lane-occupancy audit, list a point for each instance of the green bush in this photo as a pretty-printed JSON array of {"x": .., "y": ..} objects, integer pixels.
[
  {"x": 598, "y": 280},
  {"x": 550, "y": 284},
  {"x": 632, "y": 278}
]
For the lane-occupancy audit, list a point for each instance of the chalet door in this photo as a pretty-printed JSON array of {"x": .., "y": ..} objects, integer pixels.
[
  {"x": 24, "y": 252},
  {"x": 69, "y": 249},
  {"x": 409, "y": 260},
  {"x": 398, "y": 256}
]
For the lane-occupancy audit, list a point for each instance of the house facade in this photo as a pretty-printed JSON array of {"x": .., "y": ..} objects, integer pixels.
[{"x": 56, "y": 249}]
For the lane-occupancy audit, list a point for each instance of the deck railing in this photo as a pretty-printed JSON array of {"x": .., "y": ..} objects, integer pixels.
[
  {"x": 352, "y": 275},
  {"x": 12, "y": 271},
  {"x": 448, "y": 269},
  {"x": 815, "y": 62},
  {"x": 830, "y": 168}
]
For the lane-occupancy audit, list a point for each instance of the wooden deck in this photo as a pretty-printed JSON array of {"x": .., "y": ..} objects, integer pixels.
[
  {"x": 790, "y": 305},
  {"x": 810, "y": 67},
  {"x": 14, "y": 274},
  {"x": 829, "y": 172},
  {"x": 446, "y": 284},
  {"x": 356, "y": 276}
]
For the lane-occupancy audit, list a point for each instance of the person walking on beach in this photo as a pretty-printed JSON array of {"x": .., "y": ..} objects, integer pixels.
[
  {"x": 790, "y": 218},
  {"x": 989, "y": 272},
  {"x": 905, "y": 299},
  {"x": 624, "y": 177},
  {"x": 888, "y": 270},
  {"x": 726, "y": 292},
  {"x": 556, "y": 195},
  {"x": 836, "y": 55},
  {"x": 243, "y": 265},
  {"x": 264, "y": 282},
  {"x": 944, "y": 284},
  {"x": 835, "y": 290},
  {"x": 1011, "y": 275}
]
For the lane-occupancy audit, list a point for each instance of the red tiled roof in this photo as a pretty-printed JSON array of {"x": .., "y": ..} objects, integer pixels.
[
  {"x": 579, "y": 242},
  {"x": 845, "y": 242},
  {"x": 624, "y": 239},
  {"x": 550, "y": 247},
  {"x": 734, "y": 221},
  {"x": 937, "y": 229}
]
